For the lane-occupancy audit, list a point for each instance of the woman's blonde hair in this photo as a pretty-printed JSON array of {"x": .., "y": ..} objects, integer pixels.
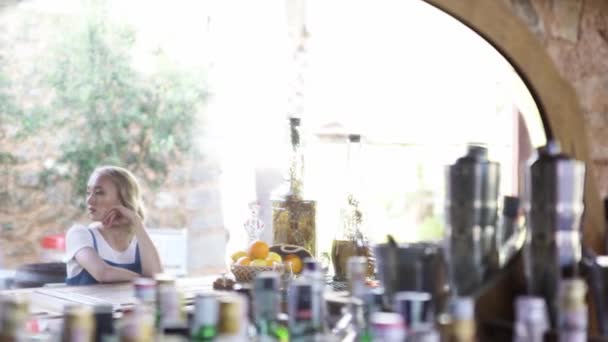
[{"x": 129, "y": 191}]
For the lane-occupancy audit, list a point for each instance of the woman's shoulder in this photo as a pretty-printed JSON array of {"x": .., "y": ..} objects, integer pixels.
[{"x": 80, "y": 231}]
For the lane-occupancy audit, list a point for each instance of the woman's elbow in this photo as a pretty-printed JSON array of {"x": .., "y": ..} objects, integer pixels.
[{"x": 103, "y": 275}]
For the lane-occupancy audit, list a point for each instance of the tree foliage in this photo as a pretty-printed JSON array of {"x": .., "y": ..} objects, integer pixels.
[{"x": 109, "y": 112}]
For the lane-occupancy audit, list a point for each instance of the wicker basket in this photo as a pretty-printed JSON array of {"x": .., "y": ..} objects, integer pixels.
[{"x": 246, "y": 274}]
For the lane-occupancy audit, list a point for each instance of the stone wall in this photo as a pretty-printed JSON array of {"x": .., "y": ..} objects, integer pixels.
[{"x": 575, "y": 33}]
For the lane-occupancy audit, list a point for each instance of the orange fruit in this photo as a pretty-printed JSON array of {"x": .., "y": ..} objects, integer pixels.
[
  {"x": 258, "y": 250},
  {"x": 296, "y": 262},
  {"x": 243, "y": 261},
  {"x": 237, "y": 255}
]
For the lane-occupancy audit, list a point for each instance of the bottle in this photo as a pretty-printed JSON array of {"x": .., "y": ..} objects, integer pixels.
[
  {"x": 305, "y": 311},
  {"x": 266, "y": 308},
  {"x": 572, "y": 311},
  {"x": 461, "y": 311},
  {"x": 233, "y": 320},
  {"x": 293, "y": 217},
  {"x": 352, "y": 325},
  {"x": 531, "y": 319},
  {"x": 104, "y": 322},
  {"x": 416, "y": 308},
  {"x": 204, "y": 325},
  {"x": 387, "y": 327},
  {"x": 170, "y": 312},
  {"x": 78, "y": 324},
  {"x": 351, "y": 240},
  {"x": 137, "y": 324},
  {"x": 13, "y": 316}
]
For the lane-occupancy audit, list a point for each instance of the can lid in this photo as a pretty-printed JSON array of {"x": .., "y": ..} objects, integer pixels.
[{"x": 55, "y": 241}]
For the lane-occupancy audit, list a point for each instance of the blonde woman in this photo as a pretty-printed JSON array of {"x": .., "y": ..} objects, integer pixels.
[{"x": 115, "y": 246}]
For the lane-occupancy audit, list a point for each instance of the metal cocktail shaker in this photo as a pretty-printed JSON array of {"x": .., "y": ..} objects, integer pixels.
[
  {"x": 555, "y": 186},
  {"x": 471, "y": 210}
]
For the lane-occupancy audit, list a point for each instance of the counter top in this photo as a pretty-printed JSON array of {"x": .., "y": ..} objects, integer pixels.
[{"x": 49, "y": 301}]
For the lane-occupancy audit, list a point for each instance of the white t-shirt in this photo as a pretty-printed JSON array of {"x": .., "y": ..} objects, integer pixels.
[{"x": 79, "y": 237}]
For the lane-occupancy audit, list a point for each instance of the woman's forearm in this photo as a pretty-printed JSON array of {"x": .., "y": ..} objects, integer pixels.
[
  {"x": 150, "y": 261},
  {"x": 112, "y": 274}
]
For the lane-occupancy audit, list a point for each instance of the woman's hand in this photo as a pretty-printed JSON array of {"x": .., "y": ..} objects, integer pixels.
[{"x": 121, "y": 216}]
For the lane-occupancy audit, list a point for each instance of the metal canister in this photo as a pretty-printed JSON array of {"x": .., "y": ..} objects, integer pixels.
[
  {"x": 13, "y": 317},
  {"x": 78, "y": 324},
  {"x": 555, "y": 187},
  {"x": 471, "y": 208}
]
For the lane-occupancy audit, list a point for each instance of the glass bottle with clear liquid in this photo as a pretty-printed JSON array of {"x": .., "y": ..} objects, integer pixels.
[
  {"x": 293, "y": 216},
  {"x": 350, "y": 239}
]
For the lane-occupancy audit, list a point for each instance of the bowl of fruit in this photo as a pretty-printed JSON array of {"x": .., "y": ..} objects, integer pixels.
[{"x": 259, "y": 257}]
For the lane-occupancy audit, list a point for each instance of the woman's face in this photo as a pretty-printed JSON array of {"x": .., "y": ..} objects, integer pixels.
[{"x": 102, "y": 195}]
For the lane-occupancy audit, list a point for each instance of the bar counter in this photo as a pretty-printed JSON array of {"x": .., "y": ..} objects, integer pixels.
[{"x": 48, "y": 302}]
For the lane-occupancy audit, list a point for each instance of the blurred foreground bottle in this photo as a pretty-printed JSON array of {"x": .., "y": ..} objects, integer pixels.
[
  {"x": 233, "y": 322},
  {"x": 572, "y": 311},
  {"x": 350, "y": 239},
  {"x": 293, "y": 217},
  {"x": 266, "y": 309},
  {"x": 204, "y": 324},
  {"x": 13, "y": 316}
]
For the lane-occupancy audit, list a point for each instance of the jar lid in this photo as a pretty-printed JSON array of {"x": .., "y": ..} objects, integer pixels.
[{"x": 55, "y": 241}]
